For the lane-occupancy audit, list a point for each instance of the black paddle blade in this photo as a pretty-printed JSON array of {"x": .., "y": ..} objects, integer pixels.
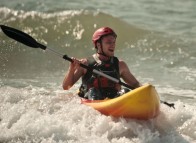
[{"x": 21, "y": 37}]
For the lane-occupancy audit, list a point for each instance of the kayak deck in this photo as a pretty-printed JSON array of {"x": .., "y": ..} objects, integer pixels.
[{"x": 141, "y": 103}]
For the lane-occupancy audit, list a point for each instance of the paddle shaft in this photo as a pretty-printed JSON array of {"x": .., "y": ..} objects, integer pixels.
[{"x": 89, "y": 68}]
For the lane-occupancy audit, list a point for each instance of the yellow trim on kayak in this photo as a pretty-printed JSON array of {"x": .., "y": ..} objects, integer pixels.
[{"x": 141, "y": 103}]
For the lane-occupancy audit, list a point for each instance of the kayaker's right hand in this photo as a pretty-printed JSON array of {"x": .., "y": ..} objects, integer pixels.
[{"x": 75, "y": 64}]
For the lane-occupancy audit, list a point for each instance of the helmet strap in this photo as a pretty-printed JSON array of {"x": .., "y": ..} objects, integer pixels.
[{"x": 102, "y": 52}]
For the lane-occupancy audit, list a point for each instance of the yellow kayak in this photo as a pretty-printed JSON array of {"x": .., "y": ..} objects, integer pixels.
[{"x": 142, "y": 103}]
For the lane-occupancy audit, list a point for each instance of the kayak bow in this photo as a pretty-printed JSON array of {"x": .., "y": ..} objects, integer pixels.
[{"x": 141, "y": 103}]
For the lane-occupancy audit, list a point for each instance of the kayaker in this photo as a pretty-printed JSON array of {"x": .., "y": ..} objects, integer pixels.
[{"x": 93, "y": 86}]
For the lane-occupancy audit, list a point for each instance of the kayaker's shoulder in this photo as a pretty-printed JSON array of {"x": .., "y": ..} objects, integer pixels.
[{"x": 122, "y": 63}]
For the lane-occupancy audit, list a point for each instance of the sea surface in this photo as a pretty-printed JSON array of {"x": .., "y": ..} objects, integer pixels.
[{"x": 157, "y": 40}]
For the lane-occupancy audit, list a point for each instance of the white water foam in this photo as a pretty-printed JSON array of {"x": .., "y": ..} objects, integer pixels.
[{"x": 34, "y": 114}]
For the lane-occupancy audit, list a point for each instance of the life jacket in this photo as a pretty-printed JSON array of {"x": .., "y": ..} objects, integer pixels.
[{"x": 107, "y": 88}]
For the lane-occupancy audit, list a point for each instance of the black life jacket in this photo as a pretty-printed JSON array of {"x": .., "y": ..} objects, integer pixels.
[{"x": 104, "y": 85}]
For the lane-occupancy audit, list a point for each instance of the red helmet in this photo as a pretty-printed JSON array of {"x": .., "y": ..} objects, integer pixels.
[{"x": 99, "y": 33}]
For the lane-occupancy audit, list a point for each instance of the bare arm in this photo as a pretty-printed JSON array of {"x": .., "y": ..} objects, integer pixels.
[
  {"x": 127, "y": 76},
  {"x": 73, "y": 74}
]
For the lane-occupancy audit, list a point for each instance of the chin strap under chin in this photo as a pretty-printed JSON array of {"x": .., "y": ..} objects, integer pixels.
[{"x": 102, "y": 52}]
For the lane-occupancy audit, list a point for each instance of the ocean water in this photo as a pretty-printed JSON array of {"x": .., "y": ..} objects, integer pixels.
[{"x": 156, "y": 38}]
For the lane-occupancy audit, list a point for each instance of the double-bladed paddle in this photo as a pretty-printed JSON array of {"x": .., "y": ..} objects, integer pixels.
[{"x": 31, "y": 42}]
